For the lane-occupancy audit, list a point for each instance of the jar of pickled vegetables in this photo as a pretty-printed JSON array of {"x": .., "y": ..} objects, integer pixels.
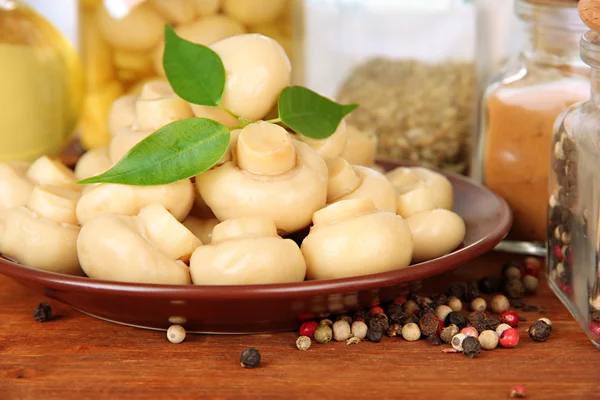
[{"x": 122, "y": 43}]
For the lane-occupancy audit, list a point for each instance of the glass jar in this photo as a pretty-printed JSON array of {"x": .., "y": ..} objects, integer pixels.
[
  {"x": 574, "y": 202},
  {"x": 122, "y": 43},
  {"x": 40, "y": 85},
  {"x": 520, "y": 107},
  {"x": 410, "y": 64}
]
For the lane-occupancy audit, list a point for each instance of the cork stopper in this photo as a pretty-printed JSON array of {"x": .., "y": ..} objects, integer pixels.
[{"x": 589, "y": 11}]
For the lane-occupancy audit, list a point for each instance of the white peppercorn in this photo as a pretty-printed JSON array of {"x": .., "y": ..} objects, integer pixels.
[
  {"x": 303, "y": 343},
  {"x": 499, "y": 303},
  {"x": 411, "y": 307},
  {"x": 478, "y": 304},
  {"x": 411, "y": 332},
  {"x": 530, "y": 283},
  {"x": 455, "y": 304},
  {"x": 359, "y": 329},
  {"x": 176, "y": 334},
  {"x": 501, "y": 328},
  {"x": 448, "y": 333},
  {"x": 457, "y": 341},
  {"x": 341, "y": 330},
  {"x": 488, "y": 339},
  {"x": 441, "y": 312}
]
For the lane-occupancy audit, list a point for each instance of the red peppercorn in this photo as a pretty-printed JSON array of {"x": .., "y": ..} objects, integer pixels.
[
  {"x": 510, "y": 317},
  {"x": 470, "y": 331},
  {"x": 518, "y": 392},
  {"x": 564, "y": 287},
  {"x": 509, "y": 338},
  {"x": 359, "y": 319},
  {"x": 532, "y": 266},
  {"x": 440, "y": 327},
  {"x": 376, "y": 310},
  {"x": 400, "y": 300},
  {"x": 558, "y": 253},
  {"x": 595, "y": 329},
  {"x": 308, "y": 328}
]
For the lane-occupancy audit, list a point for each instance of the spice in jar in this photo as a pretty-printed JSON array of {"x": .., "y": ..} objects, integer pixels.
[
  {"x": 303, "y": 343},
  {"x": 250, "y": 358}
]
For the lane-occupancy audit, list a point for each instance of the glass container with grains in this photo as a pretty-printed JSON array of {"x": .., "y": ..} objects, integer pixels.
[
  {"x": 574, "y": 194},
  {"x": 520, "y": 107}
]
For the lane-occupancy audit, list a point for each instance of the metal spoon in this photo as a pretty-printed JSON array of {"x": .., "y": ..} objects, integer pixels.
[{"x": 536, "y": 249}]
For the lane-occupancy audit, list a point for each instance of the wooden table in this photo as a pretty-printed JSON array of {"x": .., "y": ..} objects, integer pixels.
[{"x": 79, "y": 357}]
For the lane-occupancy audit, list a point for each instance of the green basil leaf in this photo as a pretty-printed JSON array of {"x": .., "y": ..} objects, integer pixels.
[
  {"x": 195, "y": 72},
  {"x": 176, "y": 151},
  {"x": 309, "y": 113}
]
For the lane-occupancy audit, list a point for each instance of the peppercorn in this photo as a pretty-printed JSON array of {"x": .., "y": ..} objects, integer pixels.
[
  {"x": 510, "y": 270},
  {"x": 400, "y": 300},
  {"x": 423, "y": 302},
  {"x": 478, "y": 304},
  {"x": 489, "y": 284},
  {"x": 491, "y": 322},
  {"x": 361, "y": 315},
  {"x": 476, "y": 316},
  {"x": 411, "y": 307},
  {"x": 250, "y": 358},
  {"x": 393, "y": 308},
  {"x": 359, "y": 329},
  {"x": 470, "y": 331},
  {"x": 509, "y": 338},
  {"x": 410, "y": 318},
  {"x": 448, "y": 332},
  {"x": 176, "y": 334},
  {"x": 472, "y": 292},
  {"x": 43, "y": 312},
  {"x": 374, "y": 335},
  {"x": 457, "y": 319},
  {"x": 514, "y": 289},
  {"x": 517, "y": 392},
  {"x": 434, "y": 340},
  {"x": 455, "y": 304},
  {"x": 539, "y": 331},
  {"x": 439, "y": 299},
  {"x": 458, "y": 290},
  {"x": 530, "y": 283},
  {"x": 323, "y": 334},
  {"x": 429, "y": 324},
  {"x": 341, "y": 330},
  {"x": 457, "y": 341},
  {"x": 303, "y": 343},
  {"x": 499, "y": 303},
  {"x": 379, "y": 321},
  {"x": 394, "y": 330},
  {"x": 532, "y": 266},
  {"x": 442, "y": 312},
  {"x": 396, "y": 318},
  {"x": 479, "y": 326},
  {"x": 352, "y": 340},
  {"x": 411, "y": 332},
  {"x": 375, "y": 310},
  {"x": 346, "y": 318},
  {"x": 510, "y": 317},
  {"x": 501, "y": 328},
  {"x": 326, "y": 322},
  {"x": 308, "y": 328},
  {"x": 546, "y": 320},
  {"x": 471, "y": 347},
  {"x": 488, "y": 340}
]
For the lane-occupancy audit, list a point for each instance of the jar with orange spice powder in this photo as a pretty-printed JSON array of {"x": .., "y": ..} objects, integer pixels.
[{"x": 520, "y": 107}]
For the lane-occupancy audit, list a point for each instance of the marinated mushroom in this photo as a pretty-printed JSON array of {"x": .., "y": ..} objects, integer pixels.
[
  {"x": 46, "y": 171},
  {"x": 43, "y": 234},
  {"x": 247, "y": 251},
  {"x": 420, "y": 189},
  {"x": 257, "y": 70},
  {"x": 176, "y": 11},
  {"x": 352, "y": 238},
  {"x": 93, "y": 162},
  {"x": 331, "y": 147},
  {"x": 122, "y": 113},
  {"x": 144, "y": 249},
  {"x": 360, "y": 148},
  {"x": 201, "y": 228},
  {"x": 108, "y": 198},
  {"x": 123, "y": 141},
  {"x": 435, "y": 233},
  {"x": 271, "y": 175},
  {"x": 254, "y": 11},
  {"x": 356, "y": 182},
  {"x": 15, "y": 187},
  {"x": 206, "y": 7}
]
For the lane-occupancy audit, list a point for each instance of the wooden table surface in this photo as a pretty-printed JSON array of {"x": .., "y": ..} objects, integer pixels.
[{"x": 79, "y": 357}]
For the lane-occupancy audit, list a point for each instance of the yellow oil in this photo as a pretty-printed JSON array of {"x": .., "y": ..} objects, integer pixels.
[{"x": 41, "y": 85}]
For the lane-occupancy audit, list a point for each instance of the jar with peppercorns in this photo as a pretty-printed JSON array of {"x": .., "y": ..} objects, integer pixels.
[{"x": 574, "y": 193}]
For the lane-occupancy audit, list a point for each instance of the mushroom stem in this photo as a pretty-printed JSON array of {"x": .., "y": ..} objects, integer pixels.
[
  {"x": 343, "y": 179},
  {"x": 244, "y": 227},
  {"x": 265, "y": 149},
  {"x": 343, "y": 210}
]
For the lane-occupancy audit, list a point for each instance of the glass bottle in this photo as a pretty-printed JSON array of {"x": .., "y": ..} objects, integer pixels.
[
  {"x": 40, "y": 85},
  {"x": 520, "y": 107},
  {"x": 574, "y": 202}
]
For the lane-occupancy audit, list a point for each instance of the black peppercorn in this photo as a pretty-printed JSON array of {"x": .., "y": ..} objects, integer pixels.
[
  {"x": 476, "y": 316},
  {"x": 471, "y": 346},
  {"x": 492, "y": 323},
  {"x": 379, "y": 321},
  {"x": 397, "y": 318},
  {"x": 429, "y": 324},
  {"x": 472, "y": 292},
  {"x": 539, "y": 331},
  {"x": 374, "y": 335},
  {"x": 410, "y": 318},
  {"x": 439, "y": 299},
  {"x": 393, "y": 309},
  {"x": 514, "y": 289},
  {"x": 489, "y": 284},
  {"x": 43, "y": 312},
  {"x": 479, "y": 325},
  {"x": 361, "y": 314},
  {"x": 434, "y": 340},
  {"x": 250, "y": 358},
  {"x": 426, "y": 311},
  {"x": 458, "y": 290},
  {"x": 457, "y": 319},
  {"x": 394, "y": 330}
]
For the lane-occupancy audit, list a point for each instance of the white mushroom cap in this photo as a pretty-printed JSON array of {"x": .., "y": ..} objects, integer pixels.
[
  {"x": 255, "y": 11},
  {"x": 139, "y": 30},
  {"x": 45, "y": 171},
  {"x": 106, "y": 198},
  {"x": 356, "y": 182},
  {"x": 289, "y": 197},
  {"x": 435, "y": 233},
  {"x": 247, "y": 251},
  {"x": 112, "y": 247},
  {"x": 158, "y": 106},
  {"x": 124, "y": 141},
  {"x": 54, "y": 203},
  {"x": 15, "y": 187},
  {"x": 257, "y": 70},
  {"x": 360, "y": 148},
  {"x": 351, "y": 238},
  {"x": 331, "y": 147},
  {"x": 93, "y": 162},
  {"x": 202, "y": 228},
  {"x": 122, "y": 113}
]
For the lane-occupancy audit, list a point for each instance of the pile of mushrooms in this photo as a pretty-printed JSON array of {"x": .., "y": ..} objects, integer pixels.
[{"x": 227, "y": 225}]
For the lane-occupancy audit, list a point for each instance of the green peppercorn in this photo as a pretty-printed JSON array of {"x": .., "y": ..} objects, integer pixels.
[
  {"x": 303, "y": 343},
  {"x": 326, "y": 322},
  {"x": 323, "y": 334},
  {"x": 530, "y": 283}
]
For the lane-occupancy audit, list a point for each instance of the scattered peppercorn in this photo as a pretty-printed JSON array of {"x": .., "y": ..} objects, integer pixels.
[
  {"x": 499, "y": 303},
  {"x": 539, "y": 331},
  {"x": 478, "y": 304},
  {"x": 359, "y": 329},
  {"x": 375, "y": 310},
  {"x": 439, "y": 299},
  {"x": 341, "y": 330},
  {"x": 326, "y": 322},
  {"x": 250, "y": 358},
  {"x": 352, "y": 340},
  {"x": 517, "y": 392},
  {"x": 457, "y": 290},
  {"x": 457, "y": 341},
  {"x": 510, "y": 317},
  {"x": 429, "y": 324},
  {"x": 492, "y": 322},
  {"x": 455, "y": 304},
  {"x": 303, "y": 343},
  {"x": 394, "y": 330},
  {"x": 509, "y": 338},
  {"x": 510, "y": 270},
  {"x": 442, "y": 311},
  {"x": 470, "y": 331},
  {"x": 489, "y": 284},
  {"x": 397, "y": 318},
  {"x": 501, "y": 328},
  {"x": 516, "y": 303},
  {"x": 361, "y": 315},
  {"x": 532, "y": 266},
  {"x": 411, "y": 307},
  {"x": 400, "y": 300},
  {"x": 308, "y": 328},
  {"x": 546, "y": 320},
  {"x": 426, "y": 311},
  {"x": 476, "y": 316},
  {"x": 457, "y": 319},
  {"x": 530, "y": 283},
  {"x": 449, "y": 332},
  {"x": 514, "y": 288},
  {"x": 411, "y": 332},
  {"x": 379, "y": 321},
  {"x": 176, "y": 334},
  {"x": 43, "y": 312},
  {"x": 471, "y": 347},
  {"x": 488, "y": 340},
  {"x": 323, "y": 334},
  {"x": 472, "y": 292},
  {"x": 529, "y": 309},
  {"x": 374, "y": 335},
  {"x": 480, "y": 326},
  {"x": 394, "y": 308},
  {"x": 434, "y": 340},
  {"x": 410, "y": 318},
  {"x": 346, "y": 318}
]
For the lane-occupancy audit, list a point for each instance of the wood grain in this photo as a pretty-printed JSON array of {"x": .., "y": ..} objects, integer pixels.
[{"x": 78, "y": 357}]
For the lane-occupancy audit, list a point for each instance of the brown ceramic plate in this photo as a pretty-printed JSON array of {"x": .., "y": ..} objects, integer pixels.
[{"x": 267, "y": 308}]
